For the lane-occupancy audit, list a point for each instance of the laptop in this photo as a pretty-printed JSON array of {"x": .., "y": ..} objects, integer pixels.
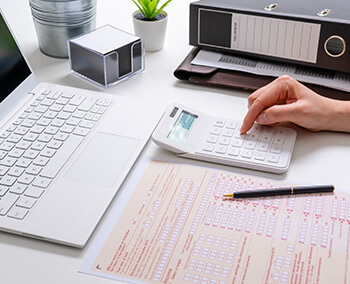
[{"x": 64, "y": 152}]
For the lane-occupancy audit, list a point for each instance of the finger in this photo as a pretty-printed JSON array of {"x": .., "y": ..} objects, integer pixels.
[
  {"x": 269, "y": 95},
  {"x": 279, "y": 113}
]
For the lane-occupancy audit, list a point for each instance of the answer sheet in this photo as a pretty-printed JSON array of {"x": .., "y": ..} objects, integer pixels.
[{"x": 177, "y": 228}]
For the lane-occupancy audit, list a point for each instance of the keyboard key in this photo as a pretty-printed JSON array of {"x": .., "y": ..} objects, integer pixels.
[
  {"x": 3, "y": 170},
  {"x": 48, "y": 153},
  {"x": 3, "y": 154},
  {"x": 8, "y": 162},
  {"x": 45, "y": 138},
  {"x": 18, "y": 188},
  {"x": 77, "y": 100},
  {"x": 24, "y": 162},
  {"x": 31, "y": 137},
  {"x": 37, "y": 145},
  {"x": 31, "y": 154},
  {"x": 38, "y": 129},
  {"x": 87, "y": 124},
  {"x": 41, "y": 161},
  {"x": 7, "y": 202},
  {"x": 54, "y": 144},
  {"x": 42, "y": 182},
  {"x": 16, "y": 153},
  {"x": 7, "y": 146},
  {"x": 81, "y": 131},
  {"x": 87, "y": 104},
  {"x": 18, "y": 213},
  {"x": 58, "y": 122},
  {"x": 16, "y": 171},
  {"x": 33, "y": 170},
  {"x": 34, "y": 192},
  {"x": 3, "y": 190},
  {"x": 26, "y": 202},
  {"x": 64, "y": 115},
  {"x": 24, "y": 145},
  {"x": 26, "y": 179}
]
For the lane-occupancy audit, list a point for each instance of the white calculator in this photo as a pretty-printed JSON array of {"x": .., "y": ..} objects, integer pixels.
[{"x": 192, "y": 134}]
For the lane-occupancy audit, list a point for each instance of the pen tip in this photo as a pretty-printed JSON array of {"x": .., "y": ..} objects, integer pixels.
[{"x": 228, "y": 195}]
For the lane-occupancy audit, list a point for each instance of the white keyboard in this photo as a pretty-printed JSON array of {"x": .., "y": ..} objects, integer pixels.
[
  {"x": 263, "y": 147},
  {"x": 37, "y": 144}
]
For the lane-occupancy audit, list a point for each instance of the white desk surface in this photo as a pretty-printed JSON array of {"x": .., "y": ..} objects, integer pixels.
[{"x": 318, "y": 157}]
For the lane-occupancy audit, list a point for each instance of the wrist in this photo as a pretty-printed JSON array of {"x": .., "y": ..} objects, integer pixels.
[{"x": 339, "y": 119}]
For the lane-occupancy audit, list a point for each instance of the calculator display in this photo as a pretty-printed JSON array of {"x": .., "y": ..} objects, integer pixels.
[{"x": 182, "y": 128}]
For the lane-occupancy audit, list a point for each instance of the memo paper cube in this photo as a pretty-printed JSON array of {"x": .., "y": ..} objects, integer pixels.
[{"x": 106, "y": 55}]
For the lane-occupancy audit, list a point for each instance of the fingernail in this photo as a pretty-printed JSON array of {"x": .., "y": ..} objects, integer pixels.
[{"x": 262, "y": 118}]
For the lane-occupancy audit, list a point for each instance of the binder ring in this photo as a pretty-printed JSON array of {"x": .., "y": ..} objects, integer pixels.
[
  {"x": 335, "y": 46},
  {"x": 324, "y": 12},
  {"x": 271, "y": 7}
]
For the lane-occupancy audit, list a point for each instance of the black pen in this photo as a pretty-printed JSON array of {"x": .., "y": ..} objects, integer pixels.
[{"x": 282, "y": 191}]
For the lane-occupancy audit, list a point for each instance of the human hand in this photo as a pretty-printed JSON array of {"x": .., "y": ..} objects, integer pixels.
[{"x": 285, "y": 99}]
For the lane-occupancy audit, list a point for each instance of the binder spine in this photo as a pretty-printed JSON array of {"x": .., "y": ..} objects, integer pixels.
[{"x": 291, "y": 39}]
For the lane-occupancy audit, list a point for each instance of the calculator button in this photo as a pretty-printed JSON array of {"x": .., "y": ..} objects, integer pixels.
[
  {"x": 233, "y": 151},
  {"x": 249, "y": 145},
  {"x": 231, "y": 124},
  {"x": 256, "y": 128},
  {"x": 224, "y": 141},
  {"x": 237, "y": 143},
  {"x": 228, "y": 133},
  {"x": 252, "y": 136},
  {"x": 216, "y": 131},
  {"x": 268, "y": 130},
  {"x": 261, "y": 156},
  {"x": 273, "y": 158},
  {"x": 276, "y": 149},
  {"x": 219, "y": 123},
  {"x": 239, "y": 135},
  {"x": 266, "y": 138},
  {"x": 281, "y": 131},
  {"x": 220, "y": 149},
  {"x": 263, "y": 147},
  {"x": 213, "y": 139},
  {"x": 247, "y": 154},
  {"x": 278, "y": 140},
  {"x": 208, "y": 147}
]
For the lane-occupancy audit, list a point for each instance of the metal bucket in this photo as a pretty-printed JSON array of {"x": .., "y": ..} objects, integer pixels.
[{"x": 56, "y": 21}]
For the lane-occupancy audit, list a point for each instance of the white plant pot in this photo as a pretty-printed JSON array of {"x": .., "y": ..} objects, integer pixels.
[{"x": 152, "y": 32}]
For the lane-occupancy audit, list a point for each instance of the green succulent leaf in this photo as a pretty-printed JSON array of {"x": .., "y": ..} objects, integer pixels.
[{"x": 149, "y": 7}]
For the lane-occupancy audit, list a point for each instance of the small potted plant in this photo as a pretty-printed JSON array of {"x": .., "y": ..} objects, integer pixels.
[{"x": 150, "y": 23}]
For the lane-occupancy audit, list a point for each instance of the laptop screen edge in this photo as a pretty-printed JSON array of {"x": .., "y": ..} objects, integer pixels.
[{"x": 13, "y": 99}]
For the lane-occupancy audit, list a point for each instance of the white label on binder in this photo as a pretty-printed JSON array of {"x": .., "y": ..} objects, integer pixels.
[{"x": 275, "y": 37}]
